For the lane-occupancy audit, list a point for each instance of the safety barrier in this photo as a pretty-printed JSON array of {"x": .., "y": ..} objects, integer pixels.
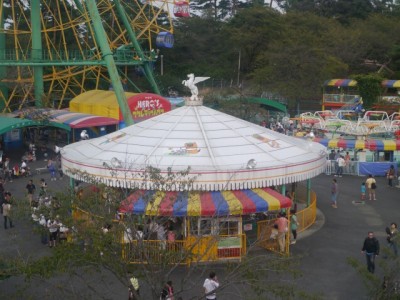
[
  {"x": 192, "y": 250},
  {"x": 305, "y": 217},
  {"x": 352, "y": 168}
]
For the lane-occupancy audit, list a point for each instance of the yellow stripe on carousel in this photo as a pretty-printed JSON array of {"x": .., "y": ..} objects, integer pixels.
[
  {"x": 194, "y": 205},
  {"x": 154, "y": 205},
  {"x": 332, "y": 143},
  {"x": 235, "y": 206},
  {"x": 273, "y": 203},
  {"x": 389, "y": 145},
  {"x": 359, "y": 144}
]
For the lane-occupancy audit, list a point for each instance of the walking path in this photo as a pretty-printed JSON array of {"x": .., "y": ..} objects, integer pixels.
[{"x": 324, "y": 248}]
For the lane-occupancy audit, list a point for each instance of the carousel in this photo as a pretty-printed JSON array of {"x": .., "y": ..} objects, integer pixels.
[{"x": 235, "y": 169}]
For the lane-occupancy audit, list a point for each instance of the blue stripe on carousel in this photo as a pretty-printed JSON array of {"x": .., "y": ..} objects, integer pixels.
[
  {"x": 260, "y": 203},
  {"x": 380, "y": 146},
  {"x": 350, "y": 144},
  {"x": 141, "y": 204},
  {"x": 221, "y": 207},
  {"x": 180, "y": 205}
]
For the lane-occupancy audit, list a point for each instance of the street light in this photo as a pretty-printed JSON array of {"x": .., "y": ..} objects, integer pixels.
[{"x": 162, "y": 64}]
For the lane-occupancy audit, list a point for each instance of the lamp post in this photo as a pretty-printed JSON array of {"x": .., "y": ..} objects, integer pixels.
[{"x": 162, "y": 64}]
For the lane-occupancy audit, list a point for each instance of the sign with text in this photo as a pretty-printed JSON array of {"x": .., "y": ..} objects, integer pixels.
[{"x": 145, "y": 105}]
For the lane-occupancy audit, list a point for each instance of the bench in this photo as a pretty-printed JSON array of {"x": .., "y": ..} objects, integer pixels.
[{"x": 40, "y": 170}]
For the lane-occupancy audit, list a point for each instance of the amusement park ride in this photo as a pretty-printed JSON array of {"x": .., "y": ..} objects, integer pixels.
[
  {"x": 55, "y": 50},
  {"x": 351, "y": 120}
]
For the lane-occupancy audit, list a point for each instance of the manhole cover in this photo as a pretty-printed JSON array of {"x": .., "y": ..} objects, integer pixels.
[{"x": 358, "y": 202}]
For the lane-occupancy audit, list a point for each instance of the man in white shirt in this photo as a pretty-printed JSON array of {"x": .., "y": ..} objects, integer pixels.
[
  {"x": 340, "y": 163},
  {"x": 210, "y": 285}
]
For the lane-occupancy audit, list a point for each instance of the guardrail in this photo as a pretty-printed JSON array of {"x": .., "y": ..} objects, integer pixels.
[{"x": 306, "y": 217}]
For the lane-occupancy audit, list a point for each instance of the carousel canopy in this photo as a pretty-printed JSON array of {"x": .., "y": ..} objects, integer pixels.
[
  {"x": 370, "y": 144},
  {"x": 222, "y": 151},
  {"x": 180, "y": 204}
]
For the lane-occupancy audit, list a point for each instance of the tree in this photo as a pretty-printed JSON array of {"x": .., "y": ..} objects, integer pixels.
[
  {"x": 369, "y": 87},
  {"x": 98, "y": 240}
]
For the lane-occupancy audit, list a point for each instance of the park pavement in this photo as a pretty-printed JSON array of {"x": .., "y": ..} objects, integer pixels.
[{"x": 323, "y": 248}]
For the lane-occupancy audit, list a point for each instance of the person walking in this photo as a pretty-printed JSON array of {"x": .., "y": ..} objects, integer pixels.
[
  {"x": 371, "y": 187},
  {"x": 363, "y": 191},
  {"x": 390, "y": 174},
  {"x": 341, "y": 163},
  {"x": 52, "y": 169},
  {"x": 6, "y": 170},
  {"x": 282, "y": 223},
  {"x": 293, "y": 226},
  {"x": 167, "y": 292},
  {"x": 7, "y": 211},
  {"x": 334, "y": 193},
  {"x": 31, "y": 188},
  {"x": 371, "y": 250},
  {"x": 43, "y": 188},
  {"x": 392, "y": 237},
  {"x": 210, "y": 285},
  {"x": 133, "y": 288}
]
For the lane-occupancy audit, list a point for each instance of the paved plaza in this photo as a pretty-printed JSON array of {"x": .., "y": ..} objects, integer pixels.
[{"x": 324, "y": 248}]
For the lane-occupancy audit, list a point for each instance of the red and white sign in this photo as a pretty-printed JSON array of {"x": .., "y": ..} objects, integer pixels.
[{"x": 145, "y": 105}]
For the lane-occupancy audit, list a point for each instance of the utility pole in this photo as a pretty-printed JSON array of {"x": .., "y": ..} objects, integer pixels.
[
  {"x": 162, "y": 64},
  {"x": 238, "y": 78}
]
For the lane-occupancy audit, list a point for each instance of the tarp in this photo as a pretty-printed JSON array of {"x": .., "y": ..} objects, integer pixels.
[
  {"x": 8, "y": 124},
  {"x": 179, "y": 204},
  {"x": 78, "y": 120},
  {"x": 270, "y": 103},
  {"x": 370, "y": 144},
  {"x": 104, "y": 103},
  {"x": 340, "y": 82},
  {"x": 391, "y": 83},
  {"x": 375, "y": 168}
]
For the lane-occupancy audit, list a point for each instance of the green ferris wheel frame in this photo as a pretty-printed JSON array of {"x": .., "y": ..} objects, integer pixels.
[{"x": 105, "y": 54}]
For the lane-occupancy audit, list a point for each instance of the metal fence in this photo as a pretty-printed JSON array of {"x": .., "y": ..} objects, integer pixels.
[{"x": 306, "y": 217}]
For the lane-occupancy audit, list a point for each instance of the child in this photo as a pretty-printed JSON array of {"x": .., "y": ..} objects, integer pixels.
[{"x": 363, "y": 191}]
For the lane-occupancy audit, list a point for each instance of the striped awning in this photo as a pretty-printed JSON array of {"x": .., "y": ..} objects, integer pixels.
[
  {"x": 391, "y": 83},
  {"x": 340, "y": 82},
  {"x": 370, "y": 144},
  {"x": 221, "y": 203},
  {"x": 79, "y": 120}
]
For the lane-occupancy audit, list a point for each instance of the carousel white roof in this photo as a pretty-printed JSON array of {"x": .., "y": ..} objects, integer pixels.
[{"x": 222, "y": 151}]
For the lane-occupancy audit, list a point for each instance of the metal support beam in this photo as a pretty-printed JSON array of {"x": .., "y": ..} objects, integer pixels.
[
  {"x": 108, "y": 57},
  {"x": 132, "y": 35},
  {"x": 3, "y": 70},
  {"x": 308, "y": 192},
  {"x": 37, "y": 52}
]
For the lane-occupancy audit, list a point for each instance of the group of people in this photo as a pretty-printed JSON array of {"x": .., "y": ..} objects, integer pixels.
[
  {"x": 210, "y": 285},
  {"x": 371, "y": 246},
  {"x": 281, "y": 228},
  {"x": 339, "y": 162}
]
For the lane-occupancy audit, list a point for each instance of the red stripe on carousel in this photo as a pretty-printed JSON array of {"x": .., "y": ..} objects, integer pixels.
[
  {"x": 342, "y": 143},
  {"x": 285, "y": 202},
  {"x": 371, "y": 144},
  {"x": 248, "y": 204},
  {"x": 397, "y": 144},
  {"x": 166, "y": 207},
  {"x": 207, "y": 204},
  {"x": 127, "y": 206}
]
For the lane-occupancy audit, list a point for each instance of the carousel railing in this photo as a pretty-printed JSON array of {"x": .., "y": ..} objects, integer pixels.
[
  {"x": 192, "y": 250},
  {"x": 306, "y": 217}
]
